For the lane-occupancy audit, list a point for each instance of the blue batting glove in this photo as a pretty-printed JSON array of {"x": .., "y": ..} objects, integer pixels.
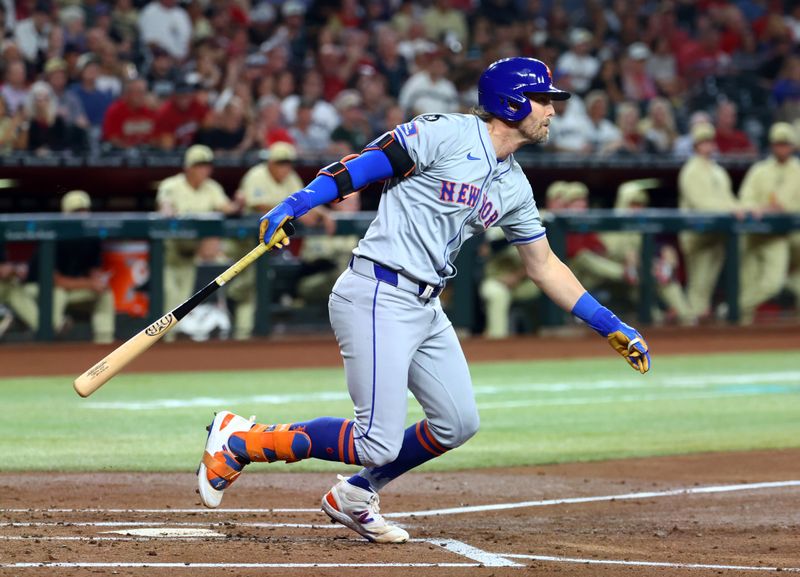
[
  {"x": 624, "y": 339},
  {"x": 270, "y": 226}
]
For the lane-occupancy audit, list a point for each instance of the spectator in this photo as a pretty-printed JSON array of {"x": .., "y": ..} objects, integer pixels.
[
  {"x": 69, "y": 106},
  {"x": 570, "y": 127},
  {"x": 161, "y": 74},
  {"x": 684, "y": 144},
  {"x": 125, "y": 22},
  {"x": 632, "y": 141},
  {"x": 786, "y": 90},
  {"x": 602, "y": 135},
  {"x": 79, "y": 277},
  {"x": 636, "y": 81},
  {"x": 95, "y": 102},
  {"x": 163, "y": 23},
  {"x": 32, "y": 34},
  {"x": 46, "y": 130},
  {"x": 658, "y": 127},
  {"x": 429, "y": 90},
  {"x": 323, "y": 113},
  {"x": 443, "y": 22},
  {"x": 180, "y": 117},
  {"x": 230, "y": 128},
  {"x": 309, "y": 138},
  {"x": 372, "y": 88},
  {"x": 662, "y": 67},
  {"x": 729, "y": 139},
  {"x": 11, "y": 128},
  {"x": 354, "y": 130},
  {"x": 578, "y": 62},
  {"x": 771, "y": 185},
  {"x": 609, "y": 81},
  {"x": 73, "y": 21},
  {"x": 15, "y": 88},
  {"x": 130, "y": 121},
  {"x": 390, "y": 64},
  {"x": 270, "y": 127},
  {"x": 703, "y": 185}
]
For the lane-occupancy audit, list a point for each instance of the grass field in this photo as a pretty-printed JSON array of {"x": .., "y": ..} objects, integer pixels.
[{"x": 532, "y": 413}]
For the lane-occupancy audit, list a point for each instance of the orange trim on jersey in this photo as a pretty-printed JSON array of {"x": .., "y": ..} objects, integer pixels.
[{"x": 433, "y": 441}]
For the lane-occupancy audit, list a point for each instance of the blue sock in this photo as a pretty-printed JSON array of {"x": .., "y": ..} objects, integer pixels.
[
  {"x": 418, "y": 447},
  {"x": 331, "y": 439}
]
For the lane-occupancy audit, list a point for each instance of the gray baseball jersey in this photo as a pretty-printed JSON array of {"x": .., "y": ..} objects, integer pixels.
[
  {"x": 458, "y": 190},
  {"x": 392, "y": 338}
]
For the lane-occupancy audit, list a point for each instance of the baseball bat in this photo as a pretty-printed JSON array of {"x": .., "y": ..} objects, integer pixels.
[{"x": 103, "y": 371}]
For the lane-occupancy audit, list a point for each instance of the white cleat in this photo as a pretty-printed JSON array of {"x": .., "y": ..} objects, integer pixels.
[
  {"x": 359, "y": 510},
  {"x": 219, "y": 466}
]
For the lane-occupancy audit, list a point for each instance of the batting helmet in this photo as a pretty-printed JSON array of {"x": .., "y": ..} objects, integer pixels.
[{"x": 502, "y": 87}]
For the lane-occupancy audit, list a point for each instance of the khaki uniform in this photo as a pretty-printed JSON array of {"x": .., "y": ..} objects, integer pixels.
[
  {"x": 625, "y": 248},
  {"x": 766, "y": 258},
  {"x": 703, "y": 185},
  {"x": 260, "y": 192},
  {"x": 13, "y": 294},
  {"x": 180, "y": 270},
  {"x": 504, "y": 283}
]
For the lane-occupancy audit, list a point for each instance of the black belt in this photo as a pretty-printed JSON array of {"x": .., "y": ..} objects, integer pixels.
[{"x": 379, "y": 272}]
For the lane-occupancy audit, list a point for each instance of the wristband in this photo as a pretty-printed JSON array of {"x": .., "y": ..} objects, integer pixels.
[{"x": 598, "y": 317}]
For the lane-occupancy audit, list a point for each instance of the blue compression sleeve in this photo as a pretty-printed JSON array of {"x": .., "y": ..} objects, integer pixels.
[
  {"x": 366, "y": 168},
  {"x": 596, "y": 315}
]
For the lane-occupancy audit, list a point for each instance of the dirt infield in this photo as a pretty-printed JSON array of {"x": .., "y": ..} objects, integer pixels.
[
  {"x": 617, "y": 512},
  {"x": 321, "y": 351},
  {"x": 712, "y": 514}
]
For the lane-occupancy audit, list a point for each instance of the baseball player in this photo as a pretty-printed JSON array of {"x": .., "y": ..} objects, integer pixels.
[{"x": 448, "y": 177}]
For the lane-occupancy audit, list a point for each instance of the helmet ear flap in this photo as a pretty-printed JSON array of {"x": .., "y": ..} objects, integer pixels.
[{"x": 515, "y": 107}]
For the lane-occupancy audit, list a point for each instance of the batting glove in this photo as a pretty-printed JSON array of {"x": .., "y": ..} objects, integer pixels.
[{"x": 624, "y": 339}]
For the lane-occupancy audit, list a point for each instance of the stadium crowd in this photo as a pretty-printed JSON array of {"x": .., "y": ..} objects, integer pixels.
[{"x": 329, "y": 75}]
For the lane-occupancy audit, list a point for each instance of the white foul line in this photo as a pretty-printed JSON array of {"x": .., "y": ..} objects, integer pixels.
[
  {"x": 170, "y": 523},
  {"x": 652, "y": 563},
  {"x": 195, "y": 510},
  {"x": 227, "y": 565},
  {"x": 623, "y": 497}
]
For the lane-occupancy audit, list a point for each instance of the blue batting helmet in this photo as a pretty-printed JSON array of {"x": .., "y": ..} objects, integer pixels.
[{"x": 502, "y": 87}]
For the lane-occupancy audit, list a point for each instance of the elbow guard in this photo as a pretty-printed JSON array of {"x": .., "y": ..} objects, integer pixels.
[{"x": 369, "y": 166}]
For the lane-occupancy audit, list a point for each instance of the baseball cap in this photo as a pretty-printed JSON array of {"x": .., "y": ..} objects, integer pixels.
[
  {"x": 635, "y": 192},
  {"x": 579, "y": 36},
  {"x": 638, "y": 51},
  {"x": 556, "y": 190},
  {"x": 280, "y": 152},
  {"x": 293, "y": 8},
  {"x": 76, "y": 200},
  {"x": 782, "y": 132},
  {"x": 85, "y": 60},
  {"x": 54, "y": 65},
  {"x": 574, "y": 191},
  {"x": 347, "y": 99},
  {"x": 198, "y": 154},
  {"x": 703, "y": 131}
]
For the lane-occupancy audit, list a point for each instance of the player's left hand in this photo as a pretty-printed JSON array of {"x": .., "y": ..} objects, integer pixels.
[
  {"x": 270, "y": 225},
  {"x": 631, "y": 345}
]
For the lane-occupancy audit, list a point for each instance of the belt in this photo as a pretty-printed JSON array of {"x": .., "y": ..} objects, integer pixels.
[{"x": 372, "y": 269}]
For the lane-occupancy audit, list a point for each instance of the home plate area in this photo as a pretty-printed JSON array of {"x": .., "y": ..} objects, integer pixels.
[{"x": 689, "y": 515}]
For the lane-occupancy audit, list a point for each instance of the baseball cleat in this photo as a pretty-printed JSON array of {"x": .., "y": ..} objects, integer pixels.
[
  {"x": 359, "y": 510},
  {"x": 219, "y": 466}
]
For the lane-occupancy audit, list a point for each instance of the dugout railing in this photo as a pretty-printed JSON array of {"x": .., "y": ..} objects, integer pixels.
[{"x": 46, "y": 229}]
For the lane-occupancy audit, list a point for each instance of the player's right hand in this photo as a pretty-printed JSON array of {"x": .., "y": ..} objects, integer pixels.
[{"x": 270, "y": 225}]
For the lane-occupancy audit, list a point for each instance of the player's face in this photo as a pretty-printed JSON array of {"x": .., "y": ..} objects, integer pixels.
[{"x": 536, "y": 126}]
